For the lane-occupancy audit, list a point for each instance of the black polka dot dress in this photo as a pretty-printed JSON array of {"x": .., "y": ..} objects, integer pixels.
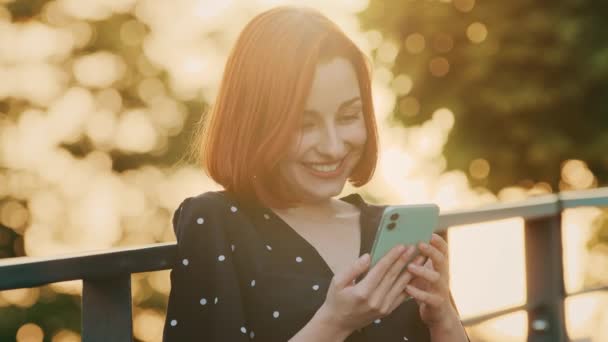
[{"x": 244, "y": 274}]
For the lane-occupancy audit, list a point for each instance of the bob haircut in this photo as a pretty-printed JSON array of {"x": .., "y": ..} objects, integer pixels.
[{"x": 259, "y": 107}]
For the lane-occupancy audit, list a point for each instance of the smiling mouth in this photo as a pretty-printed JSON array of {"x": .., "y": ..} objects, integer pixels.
[{"x": 326, "y": 169}]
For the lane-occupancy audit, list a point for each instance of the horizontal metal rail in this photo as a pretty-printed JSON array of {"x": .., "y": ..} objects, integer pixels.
[
  {"x": 536, "y": 207},
  {"x": 36, "y": 271}
]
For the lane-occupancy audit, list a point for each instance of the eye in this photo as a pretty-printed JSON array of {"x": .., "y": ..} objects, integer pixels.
[
  {"x": 306, "y": 126},
  {"x": 350, "y": 117}
]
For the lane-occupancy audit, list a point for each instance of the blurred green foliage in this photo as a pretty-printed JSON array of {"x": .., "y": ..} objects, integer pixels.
[{"x": 528, "y": 97}]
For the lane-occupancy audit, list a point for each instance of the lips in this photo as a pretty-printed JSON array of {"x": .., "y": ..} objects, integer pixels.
[
  {"x": 326, "y": 170},
  {"x": 329, "y": 167}
]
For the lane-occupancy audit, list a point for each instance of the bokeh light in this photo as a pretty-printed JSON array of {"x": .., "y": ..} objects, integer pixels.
[
  {"x": 13, "y": 214},
  {"x": 464, "y": 5},
  {"x": 86, "y": 69},
  {"x": 21, "y": 297},
  {"x": 30, "y": 332},
  {"x": 479, "y": 168},
  {"x": 66, "y": 336},
  {"x": 415, "y": 43},
  {"x": 477, "y": 32},
  {"x": 576, "y": 175},
  {"x": 409, "y": 106},
  {"x": 387, "y": 52},
  {"x": 439, "y": 66},
  {"x": 402, "y": 84},
  {"x": 148, "y": 325}
]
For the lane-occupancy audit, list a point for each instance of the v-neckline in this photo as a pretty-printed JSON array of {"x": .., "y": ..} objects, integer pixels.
[{"x": 356, "y": 201}]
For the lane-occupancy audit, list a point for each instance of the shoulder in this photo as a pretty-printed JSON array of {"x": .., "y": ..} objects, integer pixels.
[
  {"x": 210, "y": 202},
  {"x": 208, "y": 208}
]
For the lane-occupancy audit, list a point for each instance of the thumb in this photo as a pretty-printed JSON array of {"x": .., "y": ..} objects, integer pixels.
[{"x": 349, "y": 275}]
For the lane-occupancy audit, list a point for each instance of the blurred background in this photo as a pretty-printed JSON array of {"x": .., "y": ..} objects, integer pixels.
[{"x": 477, "y": 101}]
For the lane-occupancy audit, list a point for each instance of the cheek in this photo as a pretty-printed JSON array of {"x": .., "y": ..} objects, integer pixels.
[
  {"x": 298, "y": 146},
  {"x": 356, "y": 134}
]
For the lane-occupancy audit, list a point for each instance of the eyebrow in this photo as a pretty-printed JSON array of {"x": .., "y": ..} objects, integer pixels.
[{"x": 340, "y": 109}]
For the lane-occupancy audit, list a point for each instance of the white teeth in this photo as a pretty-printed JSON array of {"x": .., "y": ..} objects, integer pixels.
[{"x": 324, "y": 167}]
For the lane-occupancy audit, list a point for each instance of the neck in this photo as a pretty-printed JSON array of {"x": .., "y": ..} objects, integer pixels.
[{"x": 329, "y": 208}]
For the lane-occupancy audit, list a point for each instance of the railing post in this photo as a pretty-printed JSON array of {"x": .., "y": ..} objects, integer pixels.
[
  {"x": 545, "y": 279},
  {"x": 106, "y": 309}
]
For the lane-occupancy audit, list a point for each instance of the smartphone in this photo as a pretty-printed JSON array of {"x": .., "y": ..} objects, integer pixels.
[{"x": 404, "y": 224}]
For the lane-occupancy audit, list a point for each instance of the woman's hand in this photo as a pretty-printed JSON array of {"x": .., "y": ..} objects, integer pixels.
[
  {"x": 351, "y": 306},
  {"x": 430, "y": 286}
]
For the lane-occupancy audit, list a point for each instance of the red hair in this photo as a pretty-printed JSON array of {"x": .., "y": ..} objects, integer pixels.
[{"x": 262, "y": 96}]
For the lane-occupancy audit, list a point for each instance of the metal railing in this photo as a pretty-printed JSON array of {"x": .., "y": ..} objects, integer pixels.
[{"x": 106, "y": 275}]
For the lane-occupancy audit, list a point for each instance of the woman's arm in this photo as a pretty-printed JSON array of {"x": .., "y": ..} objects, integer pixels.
[
  {"x": 205, "y": 302},
  {"x": 451, "y": 331},
  {"x": 320, "y": 328},
  {"x": 431, "y": 290}
]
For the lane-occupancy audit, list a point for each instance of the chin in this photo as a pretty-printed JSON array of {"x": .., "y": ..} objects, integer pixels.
[
  {"x": 321, "y": 195},
  {"x": 319, "y": 191}
]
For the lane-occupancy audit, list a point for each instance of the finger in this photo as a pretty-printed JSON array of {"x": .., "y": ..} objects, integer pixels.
[
  {"x": 421, "y": 259},
  {"x": 439, "y": 243},
  {"x": 402, "y": 297},
  {"x": 419, "y": 283},
  {"x": 393, "y": 273},
  {"x": 438, "y": 258},
  {"x": 425, "y": 273},
  {"x": 399, "y": 285},
  {"x": 346, "y": 278},
  {"x": 398, "y": 288},
  {"x": 375, "y": 275},
  {"x": 422, "y": 296}
]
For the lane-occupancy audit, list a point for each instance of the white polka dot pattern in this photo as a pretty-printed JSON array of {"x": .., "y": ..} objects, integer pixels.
[{"x": 208, "y": 233}]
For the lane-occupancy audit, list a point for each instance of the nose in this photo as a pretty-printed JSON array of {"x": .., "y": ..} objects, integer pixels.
[{"x": 331, "y": 144}]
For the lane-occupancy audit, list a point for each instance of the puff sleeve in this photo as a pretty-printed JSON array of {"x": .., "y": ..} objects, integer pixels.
[{"x": 205, "y": 302}]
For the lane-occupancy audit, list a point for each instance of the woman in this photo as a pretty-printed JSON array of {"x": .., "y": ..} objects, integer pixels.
[{"x": 274, "y": 256}]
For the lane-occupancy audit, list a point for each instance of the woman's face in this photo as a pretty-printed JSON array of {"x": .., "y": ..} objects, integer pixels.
[{"x": 331, "y": 138}]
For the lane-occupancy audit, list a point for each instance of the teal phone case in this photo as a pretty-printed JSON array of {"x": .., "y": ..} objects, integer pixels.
[{"x": 404, "y": 224}]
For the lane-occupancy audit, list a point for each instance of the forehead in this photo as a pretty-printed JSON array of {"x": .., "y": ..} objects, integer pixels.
[{"x": 335, "y": 81}]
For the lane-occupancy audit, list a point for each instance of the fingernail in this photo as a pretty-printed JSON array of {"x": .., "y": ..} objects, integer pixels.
[
  {"x": 409, "y": 249},
  {"x": 365, "y": 258},
  {"x": 423, "y": 245}
]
